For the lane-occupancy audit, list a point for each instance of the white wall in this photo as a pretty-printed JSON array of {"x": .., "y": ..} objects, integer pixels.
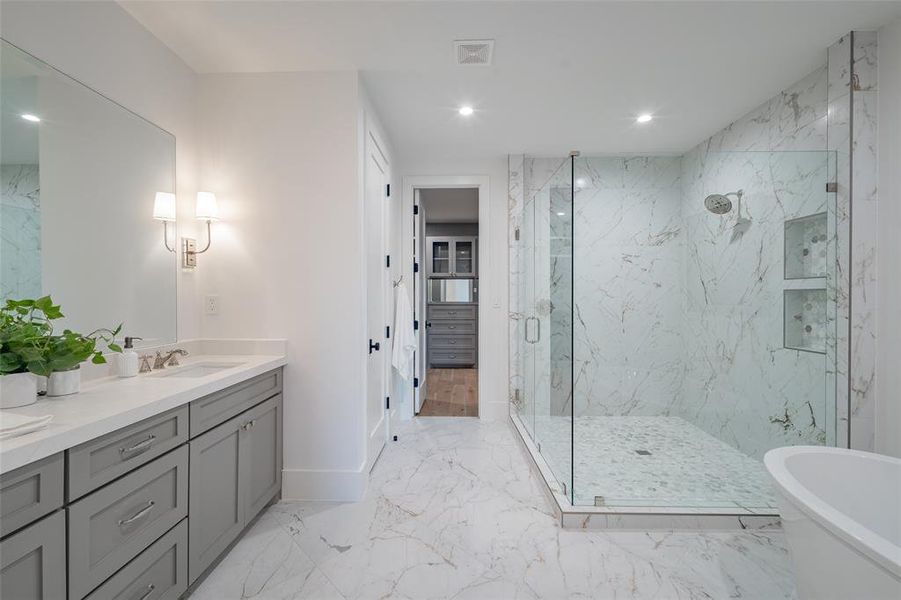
[
  {"x": 102, "y": 46},
  {"x": 493, "y": 285},
  {"x": 888, "y": 361},
  {"x": 282, "y": 151}
]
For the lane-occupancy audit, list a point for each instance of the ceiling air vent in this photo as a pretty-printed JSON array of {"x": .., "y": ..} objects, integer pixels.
[{"x": 471, "y": 53}]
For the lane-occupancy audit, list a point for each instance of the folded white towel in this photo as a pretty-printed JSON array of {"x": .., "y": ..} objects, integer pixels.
[{"x": 12, "y": 424}]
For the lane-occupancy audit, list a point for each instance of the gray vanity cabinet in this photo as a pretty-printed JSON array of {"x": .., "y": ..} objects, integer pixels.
[
  {"x": 33, "y": 561},
  {"x": 235, "y": 472}
]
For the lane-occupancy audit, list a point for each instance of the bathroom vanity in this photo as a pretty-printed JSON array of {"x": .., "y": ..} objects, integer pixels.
[{"x": 139, "y": 486}]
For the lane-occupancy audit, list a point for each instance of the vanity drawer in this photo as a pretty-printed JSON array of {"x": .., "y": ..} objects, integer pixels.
[
  {"x": 116, "y": 523},
  {"x": 218, "y": 408},
  {"x": 452, "y": 342},
  {"x": 452, "y": 357},
  {"x": 452, "y": 312},
  {"x": 33, "y": 561},
  {"x": 452, "y": 327},
  {"x": 30, "y": 492},
  {"x": 100, "y": 461},
  {"x": 159, "y": 573}
]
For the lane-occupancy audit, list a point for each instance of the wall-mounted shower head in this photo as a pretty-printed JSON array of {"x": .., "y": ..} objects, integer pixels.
[{"x": 720, "y": 204}]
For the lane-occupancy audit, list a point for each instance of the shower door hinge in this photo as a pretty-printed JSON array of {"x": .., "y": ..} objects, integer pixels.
[
  {"x": 832, "y": 187},
  {"x": 388, "y": 261},
  {"x": 388, "y": 190},
  {"x": 416, "y": 382},
  {"x": 516, "y": 234},
  {"x": 415, "y": 324},
  {"x": 415, "y": 209}
]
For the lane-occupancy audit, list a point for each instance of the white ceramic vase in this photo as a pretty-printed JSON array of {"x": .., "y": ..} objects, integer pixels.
[
  {"x": 64, "y": 383},
  {"x": 19, "y": 389}
]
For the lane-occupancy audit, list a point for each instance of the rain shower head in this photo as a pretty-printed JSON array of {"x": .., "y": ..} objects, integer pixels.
[{"x": 720, "y": 204}]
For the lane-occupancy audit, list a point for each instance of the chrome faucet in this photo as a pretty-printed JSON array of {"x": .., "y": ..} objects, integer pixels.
[{"x": 170, "y": 358}]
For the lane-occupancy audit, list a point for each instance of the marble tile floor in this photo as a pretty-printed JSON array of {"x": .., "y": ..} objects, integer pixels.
[
  {"x": 451, "y": 393},
  {"x": 654, "y": 461},
  {"x": 453, "y": 510}
]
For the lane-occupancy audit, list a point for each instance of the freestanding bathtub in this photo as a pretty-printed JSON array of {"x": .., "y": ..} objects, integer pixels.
[{"x": 841, "y": 511}]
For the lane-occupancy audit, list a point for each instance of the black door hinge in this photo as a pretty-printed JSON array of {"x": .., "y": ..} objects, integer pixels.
[
  {"x": 387, "y": 402},
  {"x": 415, "y": 209},
  {"x": 387, "y": 331},
  {"x": 388, "y": 190},
  {"x": 415, "y": 324},
  {"x": 416, "y": 267},
  {"x": 395, "y": 438},
  {"x": 416, "y": 382},
  {"x": 388, "y": 261}
]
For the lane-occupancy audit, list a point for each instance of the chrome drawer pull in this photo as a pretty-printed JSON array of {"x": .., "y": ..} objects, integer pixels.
[
  {"x": 138, "y": 515},
  {"x": 149, "y": 591},
  {"x": 453, "y": 342},
  {"x": 142, "y": 446}
]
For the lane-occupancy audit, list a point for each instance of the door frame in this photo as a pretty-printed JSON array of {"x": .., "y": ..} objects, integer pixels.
[{"x": 482, "y": 184}]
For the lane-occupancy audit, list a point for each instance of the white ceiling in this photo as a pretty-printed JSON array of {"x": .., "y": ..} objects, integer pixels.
[
  {"x": 565, "y": 75},
  {"x": 450, "y": 205}
]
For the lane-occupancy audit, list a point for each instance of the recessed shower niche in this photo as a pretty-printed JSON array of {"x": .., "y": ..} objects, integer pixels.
[
  {"x": 805, "y": 247},
  {"x": 805, "y": 320}
]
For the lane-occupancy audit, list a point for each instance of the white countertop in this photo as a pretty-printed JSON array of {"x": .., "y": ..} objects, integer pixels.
[{"x": 105, "y": 405}]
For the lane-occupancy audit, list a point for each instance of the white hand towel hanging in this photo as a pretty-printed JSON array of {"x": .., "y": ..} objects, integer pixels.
[{"x": 404, "y": 336}]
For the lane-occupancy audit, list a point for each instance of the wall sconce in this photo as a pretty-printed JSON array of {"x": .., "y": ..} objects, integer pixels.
[
  {"x": 206, "y": 209},
  {"x": 164, "y": 210}
]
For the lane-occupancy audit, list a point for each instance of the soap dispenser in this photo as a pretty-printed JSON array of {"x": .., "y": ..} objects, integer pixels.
[{"x": 127, "y": 360}]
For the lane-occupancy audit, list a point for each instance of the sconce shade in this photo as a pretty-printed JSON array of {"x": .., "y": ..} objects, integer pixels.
[
  {"x": 164, "y": 206},
  {"x": 206, "y": 208}
]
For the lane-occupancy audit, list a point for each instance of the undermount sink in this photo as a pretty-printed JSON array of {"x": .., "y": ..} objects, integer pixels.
[{"x": 198, "y": 370}]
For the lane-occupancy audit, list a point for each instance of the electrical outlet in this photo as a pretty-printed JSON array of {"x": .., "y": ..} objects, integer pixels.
[{"x": 211, "y": 305}]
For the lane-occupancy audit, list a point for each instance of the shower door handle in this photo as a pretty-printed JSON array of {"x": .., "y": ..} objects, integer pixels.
[{"x": 538, "y": 328}]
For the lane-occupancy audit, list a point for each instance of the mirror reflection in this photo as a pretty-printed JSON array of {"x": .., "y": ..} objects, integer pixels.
[{"x": 78, "y": 179}]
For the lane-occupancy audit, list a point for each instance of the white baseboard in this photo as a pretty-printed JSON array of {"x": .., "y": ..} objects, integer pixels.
[{"x": 336, "y": 486}]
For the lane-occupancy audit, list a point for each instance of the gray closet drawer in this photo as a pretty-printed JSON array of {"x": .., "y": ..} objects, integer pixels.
[
  {"x": 30, "y": 492},
  {"x": 452, "y": 312},
  {"x": 218, "y": 408},
  {"x": 452, "y": 327},
  {"x": 452, "y": 342},
  {"x": 116, "y": 523},
  {"x": 101, "y": 460},
  {"x": 452, "y": 357},
  {"x": 33, "y": 561},
  {"x": 159, "y": 573}
]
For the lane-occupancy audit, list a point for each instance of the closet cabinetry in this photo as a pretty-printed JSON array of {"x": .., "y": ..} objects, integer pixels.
[{"x": 451, "y": 256}]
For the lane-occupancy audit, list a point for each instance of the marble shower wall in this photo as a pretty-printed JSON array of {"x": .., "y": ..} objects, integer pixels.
[
  {"x": 628, "y": 248},
  {"x": 20, "y": 232}
]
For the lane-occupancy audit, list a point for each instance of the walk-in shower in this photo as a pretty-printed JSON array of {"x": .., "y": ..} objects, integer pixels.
[{"x": 655, "y": 353}]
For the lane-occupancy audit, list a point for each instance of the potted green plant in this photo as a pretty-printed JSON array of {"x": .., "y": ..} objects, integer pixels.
[{"x": 29, "y": 345}]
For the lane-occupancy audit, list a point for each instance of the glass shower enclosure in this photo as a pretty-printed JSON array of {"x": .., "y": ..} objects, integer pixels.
[{"x": 660, "y": 348}]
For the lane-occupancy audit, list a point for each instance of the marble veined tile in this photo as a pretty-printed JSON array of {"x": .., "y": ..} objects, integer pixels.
[{"x": 453, "y": 510}]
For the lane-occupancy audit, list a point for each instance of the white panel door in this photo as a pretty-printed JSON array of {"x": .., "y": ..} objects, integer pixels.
[{"x": 377, "y": 286}]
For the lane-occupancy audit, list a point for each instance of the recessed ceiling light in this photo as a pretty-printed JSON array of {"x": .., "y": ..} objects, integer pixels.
[
  {"x": 466, "y": 110},
  {"x": 644, "y": 118},
  {"x": 32, "y": 118}
]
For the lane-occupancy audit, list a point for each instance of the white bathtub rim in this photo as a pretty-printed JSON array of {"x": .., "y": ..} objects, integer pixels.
[{"x": 860, "y": 538}]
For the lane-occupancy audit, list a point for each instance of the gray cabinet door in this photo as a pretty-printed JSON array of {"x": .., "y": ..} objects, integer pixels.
[
  {"x": 216, "y": 505},
  {"x": 263, "y": 447},
  {"x": 33, "y": 561}
]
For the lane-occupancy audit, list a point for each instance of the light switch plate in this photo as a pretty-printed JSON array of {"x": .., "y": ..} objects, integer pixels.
[{"x": 188, "y": 253}]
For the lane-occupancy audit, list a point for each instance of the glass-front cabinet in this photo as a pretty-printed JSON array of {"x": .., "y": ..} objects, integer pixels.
[{"x": 452, "y": 256}]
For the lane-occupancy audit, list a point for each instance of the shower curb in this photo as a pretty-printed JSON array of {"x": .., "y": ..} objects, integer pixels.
[{"x": 644, "y": 519}]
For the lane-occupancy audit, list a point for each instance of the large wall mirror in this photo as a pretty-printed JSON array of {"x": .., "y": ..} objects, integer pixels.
[{"x": 78, "y": 177}]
